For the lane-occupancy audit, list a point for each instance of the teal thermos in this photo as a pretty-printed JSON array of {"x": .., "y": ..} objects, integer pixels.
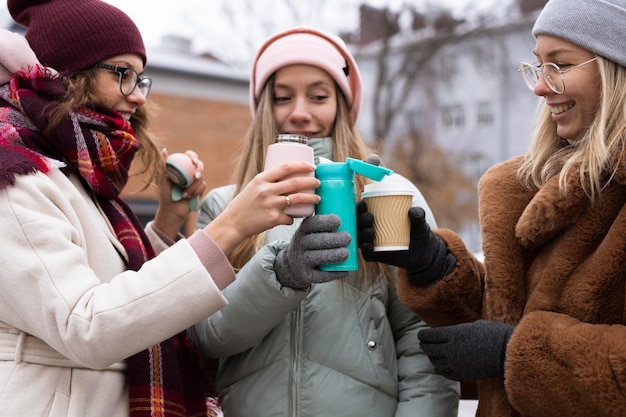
[{"x": 338, "y": 196}]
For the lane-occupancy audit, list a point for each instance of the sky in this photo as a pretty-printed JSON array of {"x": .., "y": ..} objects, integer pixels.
[{"x": 233, "y": 29}]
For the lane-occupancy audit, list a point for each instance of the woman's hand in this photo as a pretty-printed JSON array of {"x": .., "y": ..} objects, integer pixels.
[
  {"x": 15, "y": 54},
  {"x": 261, "y": 204},
  {"x": 171, "y": 214}
]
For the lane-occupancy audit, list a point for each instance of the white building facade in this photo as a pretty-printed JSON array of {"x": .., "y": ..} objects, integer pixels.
[{"x": 466, "y": 95}]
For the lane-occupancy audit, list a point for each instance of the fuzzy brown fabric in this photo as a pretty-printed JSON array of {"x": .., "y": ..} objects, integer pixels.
[{"x": 556, "y": 268}]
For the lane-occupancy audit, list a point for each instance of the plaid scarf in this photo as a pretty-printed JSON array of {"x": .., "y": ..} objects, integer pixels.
[{"x": 98, "y": 146}]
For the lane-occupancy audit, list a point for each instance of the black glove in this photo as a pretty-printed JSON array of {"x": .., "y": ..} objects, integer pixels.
[
  {"x": 427, "y": 259},
  {"x": 467, "y": 351},
  {"x": 314, "y": 243}
]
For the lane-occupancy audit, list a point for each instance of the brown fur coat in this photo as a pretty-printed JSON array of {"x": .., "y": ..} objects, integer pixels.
[{"x": 556, "y": 268}]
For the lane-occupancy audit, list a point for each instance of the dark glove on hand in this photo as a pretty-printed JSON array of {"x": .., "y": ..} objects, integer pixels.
[
  {"x": 427, "y": 259},
  {"x": 467, "y": 351},
  {"x": 314, "y": 243}
]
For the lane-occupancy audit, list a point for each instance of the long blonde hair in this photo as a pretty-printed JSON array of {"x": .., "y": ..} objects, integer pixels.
[
  {"x": 260, "y": 135},
  {"x": 81, "y": 88},
  {"x": 595, "y": 155}
]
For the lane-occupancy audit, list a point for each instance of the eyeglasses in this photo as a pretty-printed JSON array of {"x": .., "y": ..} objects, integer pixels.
[
  {"x": 129, "y": 79},
  {"x": 551, "y": 73}
]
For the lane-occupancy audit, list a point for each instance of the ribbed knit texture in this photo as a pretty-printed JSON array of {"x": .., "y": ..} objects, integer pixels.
[
  {"x": 73, "y": 35},
  {"x": 596, "y": 25},
  {"x": 308, "y": 46}
]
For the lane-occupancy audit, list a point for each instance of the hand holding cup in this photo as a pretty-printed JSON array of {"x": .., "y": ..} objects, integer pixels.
[
  {"x": 389, "y": 202},
  {"x": 181, "y": 170}
]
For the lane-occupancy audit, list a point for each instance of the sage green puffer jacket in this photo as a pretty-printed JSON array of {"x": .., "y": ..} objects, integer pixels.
[{"x": 338, "y": 349}]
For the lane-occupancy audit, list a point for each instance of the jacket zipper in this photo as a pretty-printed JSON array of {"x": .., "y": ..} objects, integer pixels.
[{"x": 295, "y": 370}]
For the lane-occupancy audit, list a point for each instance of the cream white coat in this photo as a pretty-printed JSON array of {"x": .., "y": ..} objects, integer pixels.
[{"x": 70, "y": 313}]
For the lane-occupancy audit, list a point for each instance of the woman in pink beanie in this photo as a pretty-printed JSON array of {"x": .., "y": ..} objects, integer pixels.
[
  {"x": 295, "y": 340},
  {"x": 93, "y": 307}
]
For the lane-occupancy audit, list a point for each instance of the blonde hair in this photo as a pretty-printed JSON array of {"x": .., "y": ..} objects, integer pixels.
[
  {"x": 594, "y": 156},
  {"x": 81, "y": 92},
  {"x": 346, "y": 143}
]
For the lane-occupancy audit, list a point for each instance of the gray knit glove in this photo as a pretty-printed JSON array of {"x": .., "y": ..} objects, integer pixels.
[
  {"x": 314, "y": 243},
  {"x": 467, "y": 351}
]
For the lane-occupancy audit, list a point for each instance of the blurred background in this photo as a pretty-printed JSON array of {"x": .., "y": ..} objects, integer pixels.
[{"x": 442, "y": 98}]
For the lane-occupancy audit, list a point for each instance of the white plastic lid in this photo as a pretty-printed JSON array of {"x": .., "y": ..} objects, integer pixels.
[{"x": 388, "y": 186}]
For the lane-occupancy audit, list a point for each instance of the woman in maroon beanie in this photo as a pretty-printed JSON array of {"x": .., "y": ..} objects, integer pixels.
[{"x": 93, "y": 307}]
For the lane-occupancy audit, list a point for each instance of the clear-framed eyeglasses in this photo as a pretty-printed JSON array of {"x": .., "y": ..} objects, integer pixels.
[
  {"x": 551, "y": 73},
  {"x": 129, "y": 79}
]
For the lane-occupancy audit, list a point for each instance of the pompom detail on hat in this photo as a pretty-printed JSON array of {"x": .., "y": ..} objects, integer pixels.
[
  {"x": 595, "y": 25},
  {"x": 73, "y": 35},
  {"x": 308, "y": 46}
]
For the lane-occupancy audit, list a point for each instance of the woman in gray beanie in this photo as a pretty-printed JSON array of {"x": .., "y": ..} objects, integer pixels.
[
  {"x": 541, "y": 323},
  {"x": 93, "y": 307}
]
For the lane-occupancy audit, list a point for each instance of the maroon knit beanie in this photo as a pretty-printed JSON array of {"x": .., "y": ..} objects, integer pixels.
[{"x": 73, "y": 35}]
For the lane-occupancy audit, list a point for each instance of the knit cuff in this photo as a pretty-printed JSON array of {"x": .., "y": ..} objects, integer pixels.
[{"x": 212, "y": 258}]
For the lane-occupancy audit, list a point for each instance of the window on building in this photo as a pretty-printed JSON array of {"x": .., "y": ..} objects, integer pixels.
[
  {"x": 414, "y": 120},
  {"x": 448, "y": 66},
  {"x": 484, "y": 116},
  {"x": 452, "y": 117},
  {"x": 483, "y": 58}
]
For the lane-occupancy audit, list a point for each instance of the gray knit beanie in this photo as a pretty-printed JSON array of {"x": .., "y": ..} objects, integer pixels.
[{"x": 596, "y": 25}]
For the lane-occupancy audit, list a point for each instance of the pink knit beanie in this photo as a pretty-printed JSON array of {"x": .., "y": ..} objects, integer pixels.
[
  {"x": 73, "y": 35},
  {"x": 308, "y": 46}
]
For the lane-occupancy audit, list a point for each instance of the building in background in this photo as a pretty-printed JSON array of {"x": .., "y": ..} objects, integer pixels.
[
  {"x": 202, "y": 105},
  {"x": 448, "y": 82}
]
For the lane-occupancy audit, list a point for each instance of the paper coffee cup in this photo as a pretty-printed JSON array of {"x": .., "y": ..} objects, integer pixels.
[{"x": 389, "y": 201}]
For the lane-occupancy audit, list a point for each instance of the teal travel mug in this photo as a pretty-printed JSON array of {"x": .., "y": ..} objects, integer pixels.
[{"x": 338, "y": 196}]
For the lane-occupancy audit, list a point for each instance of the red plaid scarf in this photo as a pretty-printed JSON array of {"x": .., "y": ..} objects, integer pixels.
[{"x": 98, "y": 146}]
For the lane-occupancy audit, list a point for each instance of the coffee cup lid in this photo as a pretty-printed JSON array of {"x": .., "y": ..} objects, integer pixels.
[{"x": 387, "y": 186}]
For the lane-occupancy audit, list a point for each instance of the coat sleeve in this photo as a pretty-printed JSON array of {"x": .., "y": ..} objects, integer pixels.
[
  {"x": 457, "y": 298},
  {"x": 583, "y": 365},
  {"x": 421, "y": 392},
  {"x": 63, "y": 279},
  {"x": 255, "y": 298}
]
